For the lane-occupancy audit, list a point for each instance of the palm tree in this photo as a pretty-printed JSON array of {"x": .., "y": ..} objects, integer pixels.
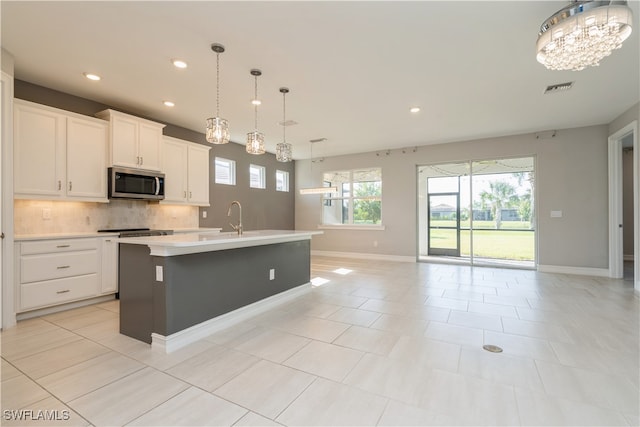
[{"x": 501, "y": 195}]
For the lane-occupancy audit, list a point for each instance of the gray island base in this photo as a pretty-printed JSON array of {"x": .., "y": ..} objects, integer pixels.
[{"x": 185, "y": 294}]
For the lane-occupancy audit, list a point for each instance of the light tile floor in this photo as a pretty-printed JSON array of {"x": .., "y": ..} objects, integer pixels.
[{"x": 381, "y": 343}]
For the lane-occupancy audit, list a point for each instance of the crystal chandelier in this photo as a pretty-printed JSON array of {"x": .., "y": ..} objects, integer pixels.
[
  {"x": 284, "y": 150},
  {"x": 217, "y": 128},
  {"x": 255, "y": 139},
  {"x": 582, "y": 34}
]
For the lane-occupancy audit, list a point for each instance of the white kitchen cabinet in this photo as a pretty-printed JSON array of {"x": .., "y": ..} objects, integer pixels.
[
  {"x": 58, "y": 155},
  {"x": 56, "y": 271},
  {"x": 134, "y": 142},
  {"x": 186, "y": 169},
  {"x": 109, "y": 265},
  {"x": 39, "y": 150},
  {"x": 86, "y": 158}
]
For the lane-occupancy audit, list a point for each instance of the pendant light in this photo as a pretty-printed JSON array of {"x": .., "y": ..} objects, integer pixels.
[
  {"x": 583, "y": 33},
  {"x": 255, "y": 139},
  {"x": 284, "y": 150},
  {"x": 217, "y": 128},
  {"x": 317, "y": 190}
]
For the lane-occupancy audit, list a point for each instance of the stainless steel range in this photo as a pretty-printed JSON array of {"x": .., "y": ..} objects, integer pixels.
[{"x": 136, "y": 232}]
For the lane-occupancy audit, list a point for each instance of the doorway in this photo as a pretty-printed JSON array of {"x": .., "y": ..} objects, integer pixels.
[
  {"x": 444, "y": 224},
  {"x": 478, "y": 212},
  {"x": 623, "y": 145}
]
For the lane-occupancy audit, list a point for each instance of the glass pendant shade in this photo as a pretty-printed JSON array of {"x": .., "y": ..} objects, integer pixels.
[
  {"x": 284, "y": 152},
  {"x": 582, "y": 34},
  {"x": 255, "y": 139},
  {"x": 255, "y": 143},
  {"x": 217, "y": 130}
]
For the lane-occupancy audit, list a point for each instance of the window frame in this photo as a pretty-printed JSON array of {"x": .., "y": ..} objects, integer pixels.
[
  {"x": 262, "y": 177},
  {"x": 327, "y": 200},
  {"x": 231, "y": 167},
  {"x": 285, "y": 180}
]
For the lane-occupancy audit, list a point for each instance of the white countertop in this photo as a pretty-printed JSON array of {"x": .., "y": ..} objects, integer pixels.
[
  {"x": 70, "y": 235},
  {"x": 189, "y": 243},
  {"x": 86, "y": 234}
]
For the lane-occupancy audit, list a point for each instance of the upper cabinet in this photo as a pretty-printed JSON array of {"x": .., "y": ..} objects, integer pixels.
[
  {"x": 58, "y": 155},
  {"x": 186, "y": 168},
  {"x": 134, "y": 142}
]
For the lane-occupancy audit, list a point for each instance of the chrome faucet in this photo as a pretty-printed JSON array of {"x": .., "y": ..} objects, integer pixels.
[{"x": 238, "y": 227}]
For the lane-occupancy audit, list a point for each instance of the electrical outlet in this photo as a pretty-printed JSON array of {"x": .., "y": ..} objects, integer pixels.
[
  {"x": 204, "y": 214},
  {"x": 272, "y": 274},
  {"x": 46, "y": 213},
  {"x": 159, "y": 275}
]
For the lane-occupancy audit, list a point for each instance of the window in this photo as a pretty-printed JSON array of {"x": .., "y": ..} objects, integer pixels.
[
  {"x": 282, "y": 180},
  {"x": 225, "y": 171},
  {"x": 256, "y": 176},
  {"x": 358, "y": 200}
]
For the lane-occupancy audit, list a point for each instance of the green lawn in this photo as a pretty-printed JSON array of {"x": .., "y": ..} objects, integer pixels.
[
  {"x": 489, "y": 225},
  {"x": 498, "y": 244}
]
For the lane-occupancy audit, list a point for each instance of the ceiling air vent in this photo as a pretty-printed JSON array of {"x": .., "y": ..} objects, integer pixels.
[
  {"x": 559, "y": 87},
  {"x": 287, "y": 123}
]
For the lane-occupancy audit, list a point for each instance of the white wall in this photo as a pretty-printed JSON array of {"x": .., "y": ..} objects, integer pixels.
[{"x": 571, "y": 171}]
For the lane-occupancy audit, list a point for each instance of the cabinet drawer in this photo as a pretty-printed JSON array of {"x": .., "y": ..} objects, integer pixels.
[
  {"x": 53, "y": 246},
  {"x": 51, "y": 292},
  {"x": 35, "y": 268}
]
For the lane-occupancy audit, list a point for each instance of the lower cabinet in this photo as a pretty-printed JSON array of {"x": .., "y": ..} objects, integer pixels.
[
  {"x": 109, "y": 265},
  {"x": 57, "y": 271}
]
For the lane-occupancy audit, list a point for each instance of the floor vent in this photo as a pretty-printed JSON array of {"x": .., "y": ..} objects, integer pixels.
[
  {"x": 559, "y": 87},
  {"x": 492, "y": 348}
]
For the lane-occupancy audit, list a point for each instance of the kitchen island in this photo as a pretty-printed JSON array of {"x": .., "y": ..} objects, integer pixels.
[{"x": 177, "y": 289}]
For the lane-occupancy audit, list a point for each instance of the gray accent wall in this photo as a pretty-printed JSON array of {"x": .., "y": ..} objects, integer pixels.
[
  {"x": 262, "y": 209},
  {"x": 571, "y": 176}
]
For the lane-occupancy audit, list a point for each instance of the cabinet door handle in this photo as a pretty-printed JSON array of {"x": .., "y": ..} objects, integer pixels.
[
  {"x": 59, "y": 185},
  {"x": 70, "y": 185},
  {"x": 63, "y": 246},
  {"x": 63, "y": 267},
  {"x": 185, "y": 194},
  {"x": 63, "y": 292},
  {"x": 108, "y": 240},
  {"x": 137, "y": 160},
  {"x": 141, "y": 160},
  {"x": 190, "y": 194}
]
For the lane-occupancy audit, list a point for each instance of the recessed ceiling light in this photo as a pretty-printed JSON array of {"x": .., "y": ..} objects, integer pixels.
[
  {"x": 179, "y": 63},
  {"x": 414, "y": 109},
  {"x": 256, "y": 102},
  {"x": 91, "y": 76},
  {"x": 169, "y": 104}
]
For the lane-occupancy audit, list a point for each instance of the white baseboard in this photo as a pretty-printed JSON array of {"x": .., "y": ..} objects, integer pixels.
[
  {"x": 173, "y": 342},
  {"x": 63, "y": 307},
  {"x": 581, "y": 271},
  {"x": 359, "y": 255}
]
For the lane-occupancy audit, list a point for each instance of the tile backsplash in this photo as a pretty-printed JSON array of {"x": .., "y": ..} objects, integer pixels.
[{"x": 73, "y": 217}]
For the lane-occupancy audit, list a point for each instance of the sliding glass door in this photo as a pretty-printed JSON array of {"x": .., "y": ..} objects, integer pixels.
[{"x": 479, "y": 212}]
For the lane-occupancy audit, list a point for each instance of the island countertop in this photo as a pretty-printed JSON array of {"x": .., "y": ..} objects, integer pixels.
[{"x": 190, "y": 243}]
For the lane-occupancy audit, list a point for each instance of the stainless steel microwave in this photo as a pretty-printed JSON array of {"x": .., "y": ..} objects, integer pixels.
[{"x": 135, "y": 184}]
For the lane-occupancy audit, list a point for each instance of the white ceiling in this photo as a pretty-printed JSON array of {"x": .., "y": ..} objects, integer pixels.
[{"x": 354, "y": 68}]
